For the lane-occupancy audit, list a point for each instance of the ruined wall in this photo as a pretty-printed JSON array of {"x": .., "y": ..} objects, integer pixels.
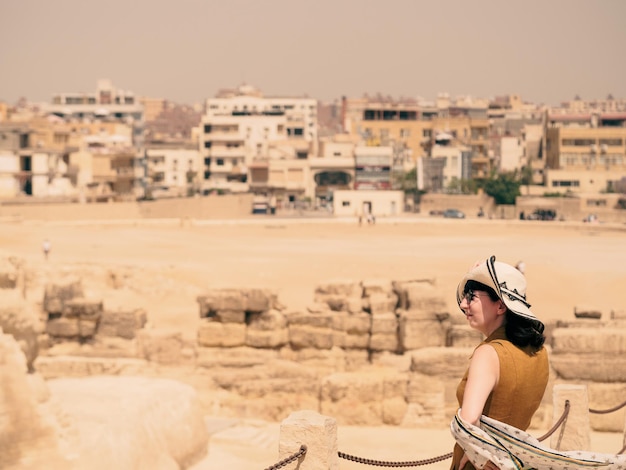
[{"x": 366, "y": 352}]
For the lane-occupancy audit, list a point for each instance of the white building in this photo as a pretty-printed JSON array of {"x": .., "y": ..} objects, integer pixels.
[
  {"x": 242, "y": 128},
  {"x": 107, "y": 103},
  {"x": 173, "y": 169}
]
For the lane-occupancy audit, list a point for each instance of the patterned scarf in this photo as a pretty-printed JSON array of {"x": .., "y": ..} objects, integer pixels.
[{"x": 513, "y": 449}]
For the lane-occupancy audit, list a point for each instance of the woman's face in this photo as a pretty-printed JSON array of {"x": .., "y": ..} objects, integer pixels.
[{"x": 482, "y": 313}]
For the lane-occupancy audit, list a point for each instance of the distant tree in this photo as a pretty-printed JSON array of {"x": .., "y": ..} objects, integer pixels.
[
  {"x": 463, "y": 186},
  {"x": 504, "y": 188}
]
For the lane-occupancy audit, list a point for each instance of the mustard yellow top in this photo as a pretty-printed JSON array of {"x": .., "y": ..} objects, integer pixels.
[{"x": 521, "y": 385}]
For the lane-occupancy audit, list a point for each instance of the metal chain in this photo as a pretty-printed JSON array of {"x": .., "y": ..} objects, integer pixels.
[
  {"x": 610, "y": 410},
  {"x": 382, "y": 463},
  {"x": 417, "y": 463},
  {"x": 288, "y": 460},
  {"x": 557, "y": 424}
]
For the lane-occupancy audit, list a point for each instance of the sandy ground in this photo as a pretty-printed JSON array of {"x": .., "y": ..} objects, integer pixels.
[{"x": 568, "y": 265}]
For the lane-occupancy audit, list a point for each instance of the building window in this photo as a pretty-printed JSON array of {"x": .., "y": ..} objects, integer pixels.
[
  {"x": 219, "y": 162},
  {"x": 302, "y": 155},
  {"x": 207, "y": 161},
  {"x": 345, "y": 203},
  {"x": 207, "y": 145},
  {"x": 207, "y": 128},
  {"x": 427, "y": 133},
  {"x": 207, "y": 175}
]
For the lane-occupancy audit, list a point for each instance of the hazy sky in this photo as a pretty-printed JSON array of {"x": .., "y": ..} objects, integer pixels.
[{"x": 185, "y": 50}]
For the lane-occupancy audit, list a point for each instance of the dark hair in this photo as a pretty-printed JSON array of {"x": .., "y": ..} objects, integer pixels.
[{"x": 520, "y": 331}]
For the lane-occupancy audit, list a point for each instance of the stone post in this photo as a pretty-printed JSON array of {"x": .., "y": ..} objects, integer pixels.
[
  {"x": 317, "y": 432},
  {"x": 574, "y": 432}
]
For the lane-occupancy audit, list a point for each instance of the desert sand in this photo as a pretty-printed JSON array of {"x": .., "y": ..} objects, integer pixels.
[{"x": 568, "y": 265}]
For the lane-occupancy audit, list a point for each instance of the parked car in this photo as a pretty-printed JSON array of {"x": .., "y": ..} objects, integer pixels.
[{"x": 453, "y": 214}]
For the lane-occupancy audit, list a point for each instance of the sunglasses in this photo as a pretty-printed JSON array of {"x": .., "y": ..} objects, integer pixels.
[{"x": 471, "y": 295}]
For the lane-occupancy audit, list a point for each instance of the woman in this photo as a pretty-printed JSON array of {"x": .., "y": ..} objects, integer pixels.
[{"x": 508, "y": 372}]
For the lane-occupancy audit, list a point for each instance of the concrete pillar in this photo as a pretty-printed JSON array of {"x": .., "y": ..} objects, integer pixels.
[
  {"x": 574, "y": 432},
  {"x": 317, "y": 432}
]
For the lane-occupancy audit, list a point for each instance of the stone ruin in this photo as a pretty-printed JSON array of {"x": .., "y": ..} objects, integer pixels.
[{"x": 366, "y": 352}]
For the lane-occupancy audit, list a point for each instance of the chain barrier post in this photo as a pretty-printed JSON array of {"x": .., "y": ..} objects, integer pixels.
[
  {"x": 575, "y": 432},
  {"x": 317, "y": 432}
]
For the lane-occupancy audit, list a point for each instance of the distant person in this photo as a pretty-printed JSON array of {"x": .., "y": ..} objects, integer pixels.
[
  {"x": 46, "y": 246},
  {"x": 272, "y": 204},
  {"x": 481, "y": 212}
]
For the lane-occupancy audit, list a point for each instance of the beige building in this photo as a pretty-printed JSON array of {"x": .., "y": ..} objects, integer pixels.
[
  {"x": 244, "y": 130},
  {"x": 585, "y": 152},
  {"x": 414, "y": 126},
  {"x": 364, "y": 203}
]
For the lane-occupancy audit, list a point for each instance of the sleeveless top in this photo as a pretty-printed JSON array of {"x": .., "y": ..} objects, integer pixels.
[{"x": 518, "y": 394}]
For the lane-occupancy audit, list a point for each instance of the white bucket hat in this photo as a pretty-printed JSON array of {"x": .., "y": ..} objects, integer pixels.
[{"x": 507, "y": 282}]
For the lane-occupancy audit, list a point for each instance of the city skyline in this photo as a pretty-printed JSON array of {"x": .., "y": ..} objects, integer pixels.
[{"x": 185, "y": 51}]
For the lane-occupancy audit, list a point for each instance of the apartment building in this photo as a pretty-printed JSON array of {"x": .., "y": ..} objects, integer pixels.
[
  {"x": 172, "y": 169},
  {"x": 414, "y": 125},
  {"x": 106, "y": 104},
  {"x": 246, "y": 138},
  {"x": 31, "y": 170},
  {"x": 585, "y": 152}
]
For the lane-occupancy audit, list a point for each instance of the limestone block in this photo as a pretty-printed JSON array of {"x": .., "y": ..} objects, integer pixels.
[
  {"x": 8, "y": 274},
  {"x": 462, "y": 336},
  {"x": 216, "y": 334},
  {"x": 342, "y": 288},
  {"x": 231, "y": 316},
  {"x": 384, "y": 342},
  {"x": 356, "y": 341},
  {"x": 132, "y": 422},
  {"x": 587, "y": 311},
  {"x": 267, "y": 338},
  {"x": 82, "y": 308},
  {"x": 27, "y": 437},
  {"x": 424, "y": 297},
  {"x": 236, "y": 357},
  {"x": 391, "y": 359},
  {"x": 304, "y": 336},
  {"x": 357, "y": 330},
  {"x": 74, "y": 366},
  {"x": 267, "y": 321},
  {"x": 382, "y": 304},
  {"x": 377, "y": 286},
  {"x": 63, "y": 327},
  {"x": 55, "y": 295},
  {"x": 221, "y": 299},
  {"x": 385, "y": 324},
  {"x": 87, "y": 328},
  {"x": 317, "y": 320},
  {"x": 574, "y": 433},
  {"x": 160, "y": 346},
  {"x": 19, "y": 319},
  {"x": 619, "y": 314},
  {"x": 337, "y": 303},
  {"x": 320, "y": 435},
  {"x": 323, "y": 360},
  {"x": 597, "y": 367},
  {"x": 260, "y": 300},
  {"x": 400, "y": 288},
  {"x": 420, "y": 329},
  {"x": 354, "y": 304},
  {"x": 122, "y": 323},
  {"x": 580, "y": 341},
  {"x": 441, "y": 362},
  {"x": 357, "y": 324}
]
